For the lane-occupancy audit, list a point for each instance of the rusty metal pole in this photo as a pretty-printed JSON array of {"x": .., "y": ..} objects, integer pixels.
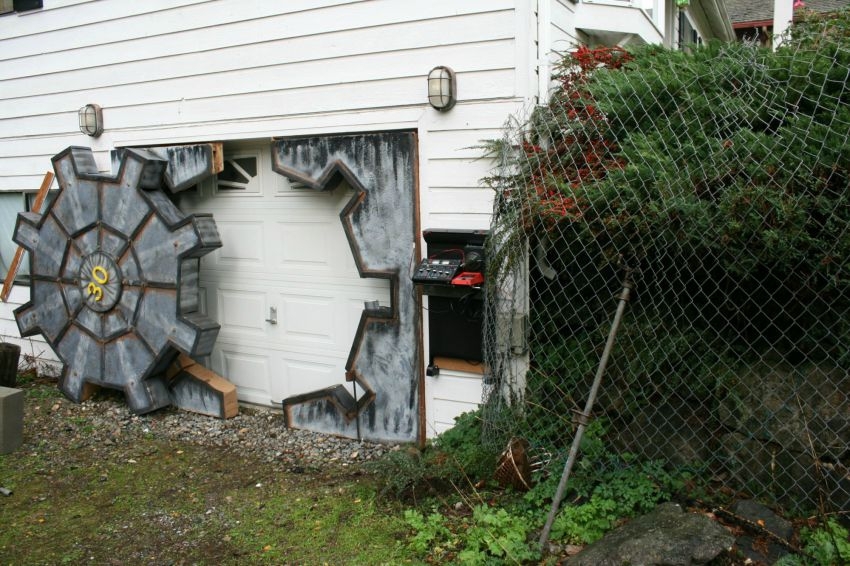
[{"x": 584, "y": 417}]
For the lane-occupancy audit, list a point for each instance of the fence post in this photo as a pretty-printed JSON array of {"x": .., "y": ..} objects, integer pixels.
[{"x": 585, "y": 415}]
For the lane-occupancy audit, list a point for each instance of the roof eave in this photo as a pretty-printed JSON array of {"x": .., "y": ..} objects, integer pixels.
[{"x": 711, "y": 17}]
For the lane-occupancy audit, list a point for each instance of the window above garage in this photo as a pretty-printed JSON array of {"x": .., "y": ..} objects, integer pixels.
[
  {"x": 9, "y": 6},
  {"x": 11, "y": 203},
  {"x": 239, "y": 175}
]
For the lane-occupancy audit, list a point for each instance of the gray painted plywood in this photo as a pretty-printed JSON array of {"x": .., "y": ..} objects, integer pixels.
[{"x": 380, "y": 223}]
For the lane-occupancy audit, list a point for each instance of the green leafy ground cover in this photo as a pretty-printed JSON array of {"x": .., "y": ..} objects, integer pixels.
[
  {"x": 149, "y": 499},
  {"x": 458, "y": 515}
]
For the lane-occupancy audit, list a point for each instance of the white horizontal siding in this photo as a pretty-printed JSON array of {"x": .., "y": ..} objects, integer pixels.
[
  {"x": 182, "y": 71},
  {"x": 106, "y": 68},
  {"x": 466, "y": 200},
  {"x": 562, "y": 33},
  {"x": 35, "y": 352},
  {"x": 395, "y": 66},
  {"x": 355, "y": 96},
  {"x": 118, "y": 21},
  {"x": 454, "y": 165},
  {"x": 457, "y": 172},
  {"x": 170, "y": 33},
  {"x": 66, "y": 14},
  {"x": 191, "y": 70},
  {"x": 466, "y": 143}
]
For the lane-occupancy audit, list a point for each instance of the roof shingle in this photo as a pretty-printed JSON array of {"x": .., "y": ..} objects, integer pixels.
[{"x": 741, "y": 11}]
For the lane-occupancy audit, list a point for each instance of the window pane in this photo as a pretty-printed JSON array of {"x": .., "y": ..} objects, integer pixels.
[
  {"x": 10, "y": 205},
  {"x": 24, "y": 5},
  {"x": 47, "y": 200},
  {"x": 237, "y": 173}
]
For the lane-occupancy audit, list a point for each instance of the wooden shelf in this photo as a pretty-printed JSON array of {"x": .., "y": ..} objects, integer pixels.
[{"x": 459, "y": 365}]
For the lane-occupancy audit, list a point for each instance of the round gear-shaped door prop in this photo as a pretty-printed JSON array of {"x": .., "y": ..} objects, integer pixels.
[{"x": 114, "y": 274}]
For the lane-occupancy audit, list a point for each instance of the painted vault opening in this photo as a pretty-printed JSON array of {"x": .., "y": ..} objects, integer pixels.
[{"x": 380, "y": 225}]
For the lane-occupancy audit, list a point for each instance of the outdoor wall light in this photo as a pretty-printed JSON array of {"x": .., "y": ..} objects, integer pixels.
[
  {"x": 442, "y": 88},
  {"x": 91, "y": 120}
]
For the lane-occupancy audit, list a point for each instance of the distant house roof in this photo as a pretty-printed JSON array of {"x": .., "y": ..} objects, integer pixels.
[{"x": 743, "y": 12}]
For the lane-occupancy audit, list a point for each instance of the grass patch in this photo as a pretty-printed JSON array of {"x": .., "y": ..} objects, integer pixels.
[
  {"x": 164, "y": 501},
  {"x": 342, "y": 521}
]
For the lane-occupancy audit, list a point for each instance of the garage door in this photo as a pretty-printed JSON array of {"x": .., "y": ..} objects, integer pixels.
[{"x": 284, "y": 286}]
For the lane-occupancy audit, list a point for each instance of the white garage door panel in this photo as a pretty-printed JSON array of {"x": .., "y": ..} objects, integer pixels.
[
  {"x": 304, "y": 375},
  {"x": 309, "y": 319},
  {"x": 241, "y": 311},
  {"x": 249, "y": 372},
  {"x": 242, "y": 243},
  {"x": 285, "y": 249},
  {"x": 306, "y": 245}
]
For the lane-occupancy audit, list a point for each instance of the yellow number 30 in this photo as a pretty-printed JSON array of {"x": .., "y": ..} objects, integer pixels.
[{"x": 100, "y": 275}]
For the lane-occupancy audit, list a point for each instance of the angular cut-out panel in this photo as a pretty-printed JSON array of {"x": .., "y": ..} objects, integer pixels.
[
  {"x": 202, "y": 300},
  {"x": 379, "y": 222}
]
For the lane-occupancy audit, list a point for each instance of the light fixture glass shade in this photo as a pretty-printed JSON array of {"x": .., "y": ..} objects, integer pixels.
[
  {"x": 442, "y": 88},
  {"x": 91, "y": 120}
]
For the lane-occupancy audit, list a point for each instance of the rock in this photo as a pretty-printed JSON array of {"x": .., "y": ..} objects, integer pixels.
[
  {"x": 762, "y": 516},
  {"x": 676, "y": 430},
  {"x": 788, "y": 428},
  {"x": 792, "y": 477},
  {"x": 667, "y": 536},
  {"x": 766, "y": 403}
]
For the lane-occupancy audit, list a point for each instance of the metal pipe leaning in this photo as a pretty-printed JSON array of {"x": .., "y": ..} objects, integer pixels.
[{"x": 585, "y": 415}]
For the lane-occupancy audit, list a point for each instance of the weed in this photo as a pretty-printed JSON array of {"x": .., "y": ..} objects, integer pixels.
[
  {"x": 587, "y": 522},
  {"x": 456, "y": 459},
  {"x": 497, "y": 533},
  {"x": 828, "y": 545},
  {"x": 490, "y": 536},
  {"x": 401, "y": 472},
  {"x": 431, "y": 533},
  {"x": 41, "y": 392},
  {"x": 462, "y": 444},
  {"x": 606, "y": 489}
]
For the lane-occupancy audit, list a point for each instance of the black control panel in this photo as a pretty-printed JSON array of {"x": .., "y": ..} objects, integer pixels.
[{"x": 437, "y": 270}]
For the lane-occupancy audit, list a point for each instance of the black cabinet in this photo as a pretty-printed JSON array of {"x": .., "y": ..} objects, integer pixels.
[{"x": 455, "y": 311}]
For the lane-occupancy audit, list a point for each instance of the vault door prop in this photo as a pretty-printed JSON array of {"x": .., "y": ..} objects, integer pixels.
[
  {"x": 380, "y": 225},
  {"x": 114, "y": 273}
]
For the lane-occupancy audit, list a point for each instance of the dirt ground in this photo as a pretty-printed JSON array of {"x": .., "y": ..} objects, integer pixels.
[{"x": 84, "y": 491}]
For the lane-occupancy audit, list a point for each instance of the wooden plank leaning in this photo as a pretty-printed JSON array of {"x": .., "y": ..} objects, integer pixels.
[{"x": 19, "y": 253}]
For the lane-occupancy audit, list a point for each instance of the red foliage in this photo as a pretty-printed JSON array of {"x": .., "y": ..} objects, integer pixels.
[{"x": 578, "y": 150}]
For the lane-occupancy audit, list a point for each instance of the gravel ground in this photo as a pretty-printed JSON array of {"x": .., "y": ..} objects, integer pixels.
[
  {"x": 257, "y": 432},
  {"x": 93, "y": 483}
]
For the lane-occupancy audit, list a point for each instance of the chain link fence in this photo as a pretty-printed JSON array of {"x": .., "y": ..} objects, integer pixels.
[{"x": 719, "y": 179}]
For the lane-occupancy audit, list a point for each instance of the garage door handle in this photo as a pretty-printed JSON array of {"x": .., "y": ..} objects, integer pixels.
[{"x": 272, "y": 319}]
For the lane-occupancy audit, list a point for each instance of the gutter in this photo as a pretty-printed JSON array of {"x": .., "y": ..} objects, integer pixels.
[{"x": 712, "y": 18}]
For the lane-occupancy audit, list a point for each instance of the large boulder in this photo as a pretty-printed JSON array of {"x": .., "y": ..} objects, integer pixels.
[
  {"x": 761, "y": 548},
  {"x": 788, "y": 429},
  {"x": 676, "y": 430},
  {"x": 667, "y": 536}
]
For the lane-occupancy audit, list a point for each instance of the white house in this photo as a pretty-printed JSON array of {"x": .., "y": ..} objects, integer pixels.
[{"x": 312, "y": 288}]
